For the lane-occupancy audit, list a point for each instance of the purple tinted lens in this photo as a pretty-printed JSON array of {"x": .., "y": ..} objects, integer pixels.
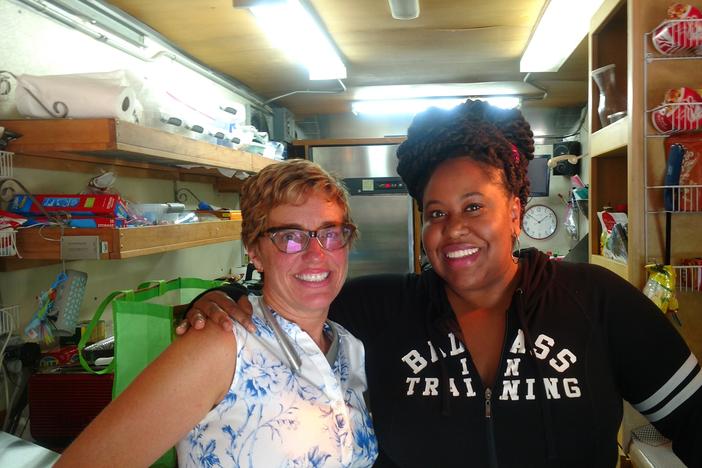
[
  {"x": 296, "y": 240},
  {"x": 332, "y": 238},
  {"x": 292, "y": 246}
]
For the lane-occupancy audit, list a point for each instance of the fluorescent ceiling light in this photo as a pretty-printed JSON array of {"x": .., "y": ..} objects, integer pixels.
[
  {"x": 98, "y": 14},
  {"x": 414, "y": 106},
  {"x": 402, "y": 106},
  {"x": 94, "y": 19},
  {"x": 562, "y": 26},
  {"x": 491, "y": 88},
  {"x": 293, "y": 29},
  {"x": 404, "y": 9},
  {"x": 503, "y": 102}
]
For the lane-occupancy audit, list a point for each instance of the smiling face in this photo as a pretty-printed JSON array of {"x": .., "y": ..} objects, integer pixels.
[
  {"x": 468, "y": 222},
  {"x": 302, "y": 284}
]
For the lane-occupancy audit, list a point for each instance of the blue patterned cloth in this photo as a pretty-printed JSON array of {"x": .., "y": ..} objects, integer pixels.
[{"x": 272, "y": 417}]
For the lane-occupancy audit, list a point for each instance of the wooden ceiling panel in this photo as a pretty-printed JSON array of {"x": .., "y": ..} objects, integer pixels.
[
  {"x": 468, "y": 45},
  {"x": 451, "y": 41}
]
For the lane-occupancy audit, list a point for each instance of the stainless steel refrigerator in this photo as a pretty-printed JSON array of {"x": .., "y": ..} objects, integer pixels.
[{"x": 380, "y": 206}]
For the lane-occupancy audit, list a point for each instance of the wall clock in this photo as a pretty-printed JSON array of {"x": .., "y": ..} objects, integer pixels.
[{"x": 540, "y": 222}]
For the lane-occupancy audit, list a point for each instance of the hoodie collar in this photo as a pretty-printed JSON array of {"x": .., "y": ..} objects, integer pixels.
[{"x": 535, "y": 277}]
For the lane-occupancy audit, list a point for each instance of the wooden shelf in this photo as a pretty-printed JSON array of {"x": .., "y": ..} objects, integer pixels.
[
  {"x": 36, "y": 244},
  {"x": 600, "y": 18},
  {"x": 611, "y": 147},
  {"x": 113, "y": 139},
  {"x": 619, "y": 268},
  {"x": 611, "y": 140}
]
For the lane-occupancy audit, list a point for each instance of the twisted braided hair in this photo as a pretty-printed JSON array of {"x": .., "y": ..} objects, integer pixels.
[{"x": 497, "y": 137}]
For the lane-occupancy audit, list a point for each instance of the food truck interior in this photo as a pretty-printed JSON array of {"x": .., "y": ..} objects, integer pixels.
[{"x": 141, "y": 120}]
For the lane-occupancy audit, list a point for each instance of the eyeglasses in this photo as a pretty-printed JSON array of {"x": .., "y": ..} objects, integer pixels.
[{"x": 290, "y": 240}]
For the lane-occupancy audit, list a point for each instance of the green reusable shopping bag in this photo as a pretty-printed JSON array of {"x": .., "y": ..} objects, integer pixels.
[{"x": 143, "y": 328}]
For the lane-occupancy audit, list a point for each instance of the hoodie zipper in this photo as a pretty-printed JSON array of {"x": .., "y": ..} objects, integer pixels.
[
  {"x": 488, "y": 410},
  {"x": 489, "y": 423},
  {"x": 492, "y": 450}
]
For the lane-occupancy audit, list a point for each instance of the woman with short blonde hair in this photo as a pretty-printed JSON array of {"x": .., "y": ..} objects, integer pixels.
[{"x": 290, "y": 394}]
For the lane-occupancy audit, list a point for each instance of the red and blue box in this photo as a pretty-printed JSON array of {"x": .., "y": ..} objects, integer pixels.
[
  {"x": 101, "y": 205},
  {"x": 82, "y": 221}
]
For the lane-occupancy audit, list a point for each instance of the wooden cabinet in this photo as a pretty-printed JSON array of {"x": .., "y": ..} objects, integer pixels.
[
  {"x": 626, "y": 162},
  {"x": 627, "y": 158},
  {"x": 617, "y": 151},
  {"x": 612, "y": 171},
  {"x": 87, "y": 144}
]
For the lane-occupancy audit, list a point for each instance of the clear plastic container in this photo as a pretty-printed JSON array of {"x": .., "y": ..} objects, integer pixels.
[
  {"x": 160, "y": 213},
  {"x": 611, "y": 104}
]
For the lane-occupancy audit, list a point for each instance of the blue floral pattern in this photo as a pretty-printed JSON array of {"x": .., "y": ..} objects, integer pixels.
[{"x": 274, "y": 417}]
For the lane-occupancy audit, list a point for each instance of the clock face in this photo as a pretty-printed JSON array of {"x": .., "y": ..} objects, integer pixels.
[{"x": 540, "y": 222}]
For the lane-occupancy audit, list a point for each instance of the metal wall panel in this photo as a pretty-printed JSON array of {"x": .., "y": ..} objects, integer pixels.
[
  {"x": 357, "y": 161},
  {"x": 384, "y": 219}
]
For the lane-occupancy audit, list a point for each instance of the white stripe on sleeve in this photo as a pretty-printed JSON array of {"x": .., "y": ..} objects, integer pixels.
[
  {"x": 676, "y": 401},
  {"x": 669, "y": 386}
]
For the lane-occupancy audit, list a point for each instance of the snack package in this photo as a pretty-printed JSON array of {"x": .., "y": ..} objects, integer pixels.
[
  {"x": 570, "y": 223},
  {"x": 680, "y": 32},
  {"x": 660, "y": 287},
  {"x": 691, "y": 278},
  {"x": 613, "y": 241},
  {"x": 616, "y": 247},
  {"x": 681, "y": 111},
  {"x": 688, "y": 199},
  {"x": 11, "y": 220},
  {"x": 65, "y": 356},
  {"x": 671, "y": 196}
]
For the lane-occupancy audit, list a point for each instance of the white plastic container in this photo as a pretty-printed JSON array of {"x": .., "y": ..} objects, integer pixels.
[
  {"x": 162, "y": 213},
  {"x": 8, "y": 243}
]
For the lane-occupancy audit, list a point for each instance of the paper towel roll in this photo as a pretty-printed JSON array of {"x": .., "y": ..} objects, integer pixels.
[{"x": 82, "y": 97}]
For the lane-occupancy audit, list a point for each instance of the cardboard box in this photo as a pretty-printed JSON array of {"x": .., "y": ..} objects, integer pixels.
[
  {"x": 108, "y": 205},
  {"x": 84, "y": 222},
  {"x": 222, "y": 214}
]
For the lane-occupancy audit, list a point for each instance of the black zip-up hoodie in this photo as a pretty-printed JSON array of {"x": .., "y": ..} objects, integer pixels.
[{"x": 578, "y": 340}]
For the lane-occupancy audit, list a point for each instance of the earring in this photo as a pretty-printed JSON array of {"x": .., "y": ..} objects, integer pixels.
[{"x": 516, "y": 247}]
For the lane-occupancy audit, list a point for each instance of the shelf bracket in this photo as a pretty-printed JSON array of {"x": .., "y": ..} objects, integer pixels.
[
  {"x": 59, "y": 108},
  {"x": 7, "y": 193}
]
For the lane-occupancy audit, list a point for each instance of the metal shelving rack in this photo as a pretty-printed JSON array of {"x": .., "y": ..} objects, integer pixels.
[
  {"x": 684, "y": 197},
  {"x": 9, "y": 315},
  {"x": 8, "y": 237}
]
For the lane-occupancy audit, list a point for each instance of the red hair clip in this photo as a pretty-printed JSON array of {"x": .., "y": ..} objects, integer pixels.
[{"x": 515, "y": 153}]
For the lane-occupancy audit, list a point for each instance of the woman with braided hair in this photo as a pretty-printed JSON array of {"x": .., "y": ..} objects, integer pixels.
[{"x": 492, "y": 358}]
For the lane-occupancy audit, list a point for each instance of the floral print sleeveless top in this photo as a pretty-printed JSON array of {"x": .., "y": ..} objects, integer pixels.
[{"x": 274, "y": 417}]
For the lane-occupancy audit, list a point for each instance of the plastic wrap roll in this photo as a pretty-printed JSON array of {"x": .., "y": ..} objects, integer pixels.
[{"x": 75, "y": 96}]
